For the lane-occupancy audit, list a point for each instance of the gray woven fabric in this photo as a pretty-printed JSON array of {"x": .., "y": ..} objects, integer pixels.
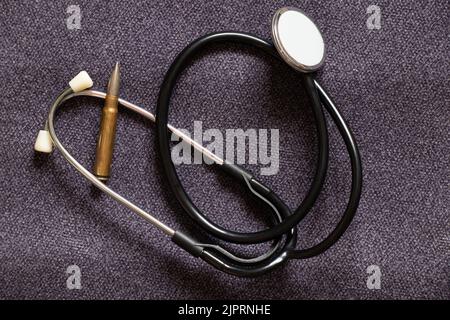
[{"x": 391, "y": 85}]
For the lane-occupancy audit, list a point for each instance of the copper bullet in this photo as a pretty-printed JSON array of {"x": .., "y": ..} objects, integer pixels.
[{"x": 105, "y": 143}]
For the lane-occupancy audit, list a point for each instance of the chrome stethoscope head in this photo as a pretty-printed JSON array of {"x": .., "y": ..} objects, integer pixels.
[{"x": 298, "y": 40}]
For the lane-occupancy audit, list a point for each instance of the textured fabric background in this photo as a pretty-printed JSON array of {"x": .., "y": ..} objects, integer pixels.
[{"x": 392, "y": 85}]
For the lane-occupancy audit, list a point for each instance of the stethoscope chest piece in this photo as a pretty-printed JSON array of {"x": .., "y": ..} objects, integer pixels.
[{"x": 298, "y": 40}]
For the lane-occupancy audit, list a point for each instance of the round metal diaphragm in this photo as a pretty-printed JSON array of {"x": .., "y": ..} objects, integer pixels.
[{"x": 298, "y": 39}]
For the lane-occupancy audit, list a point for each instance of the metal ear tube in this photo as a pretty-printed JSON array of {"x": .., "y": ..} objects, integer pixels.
[{"x": 80, "y": 82}]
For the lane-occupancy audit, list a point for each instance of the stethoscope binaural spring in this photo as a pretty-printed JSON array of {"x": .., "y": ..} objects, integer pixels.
[{"x": 282, "y": 232}]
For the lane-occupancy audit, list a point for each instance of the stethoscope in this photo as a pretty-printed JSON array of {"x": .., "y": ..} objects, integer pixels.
[{"x": 298, "y": 42}]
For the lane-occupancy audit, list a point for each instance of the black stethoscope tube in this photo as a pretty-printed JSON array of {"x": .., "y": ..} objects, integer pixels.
[{"x": 284, "y": 231}]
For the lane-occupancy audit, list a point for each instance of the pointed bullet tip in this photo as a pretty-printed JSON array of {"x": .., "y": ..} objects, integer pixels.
[{"x": 114, "y": 81}]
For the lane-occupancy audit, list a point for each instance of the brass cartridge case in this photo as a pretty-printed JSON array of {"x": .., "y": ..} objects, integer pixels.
[
  {"x": 107, "y": 134},
  {"x": 106, "y": 138}
]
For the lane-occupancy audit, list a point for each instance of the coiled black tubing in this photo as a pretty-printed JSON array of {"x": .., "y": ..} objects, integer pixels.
[{"x": 283, "y": 229}]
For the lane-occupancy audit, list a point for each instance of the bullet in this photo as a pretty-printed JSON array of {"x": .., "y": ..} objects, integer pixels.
[{"x": 105, "y": 143}]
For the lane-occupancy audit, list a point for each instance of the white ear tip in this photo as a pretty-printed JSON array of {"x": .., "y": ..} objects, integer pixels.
[
  {"x": 81, "y": 82},
  {"x": 43, "y": 142}
]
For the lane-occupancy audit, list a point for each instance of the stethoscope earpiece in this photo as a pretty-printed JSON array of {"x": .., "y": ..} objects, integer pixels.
[
  {"x": 81, "y": 81},
  {"x": 43, "y": 142},
  {"x": 298, "y": 40}
]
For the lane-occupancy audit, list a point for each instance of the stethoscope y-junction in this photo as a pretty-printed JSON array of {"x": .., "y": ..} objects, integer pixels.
[{"x": 299, "y": 43}]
